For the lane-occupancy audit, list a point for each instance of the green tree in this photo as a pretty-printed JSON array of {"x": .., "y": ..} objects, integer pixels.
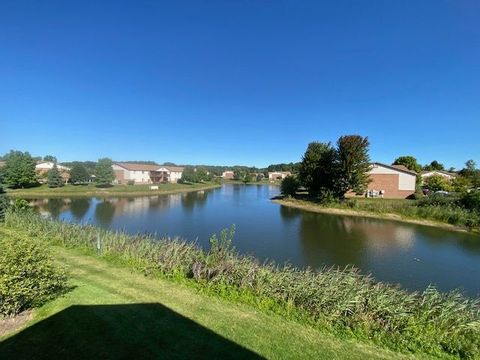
[
  {"x": 189, "y": 175},
  {"x": 353, "y": 163},
  {"x": 239, "y": 173},
  {"x": 54, "y": 179},
  {"x": 437, "y": 183},
  {"x": 50, "y": 158},
  {"x": 317, "y": 171},
  {"x": 104, "y": 174},
  {"x": 19, "y": 170},
  {"x": 289, "y": 186},
  {"x": 202, "y": 174},
  {"x": 434, "y": 165},
  {"x": 78, "y": 174},
  {"x": 461, "y": 184},
  {"x": 409, "y": 162},
  {"x": 471, "y": 165}
]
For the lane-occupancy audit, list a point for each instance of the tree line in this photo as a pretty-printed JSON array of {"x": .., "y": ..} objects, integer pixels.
[
  {"x": 19, "y": 171},
  {"x": 331, "y": 171}
]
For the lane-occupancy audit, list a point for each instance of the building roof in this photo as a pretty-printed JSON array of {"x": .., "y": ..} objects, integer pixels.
[
  {"x": 138, "y": 167},
  {"x": 147, "y": 167},
  {"x": 47, "y": 165},
  {"x": 401, "y": 168},
  {"x": 174, "y": 168},
  {"x": 439, "y": 171}
]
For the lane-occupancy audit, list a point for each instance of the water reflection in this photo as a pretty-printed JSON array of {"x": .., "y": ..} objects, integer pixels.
[
  {"x": 79, "y": 208},
  {"x": 104, "y": 212}
]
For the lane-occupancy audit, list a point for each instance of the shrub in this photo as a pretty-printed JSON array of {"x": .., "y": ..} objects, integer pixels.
[
  {"x": 437, "y": 183},
  {"x": 131, "y": 182},
  {"x": 28, "y": 276},
  {"x": 20, "y": 205},
  {"x": 471, "y": 201},
  {"x": 289, "y": 185},
  {"x": 437, "y": 200},
  {"x": 4, "y": 205}
]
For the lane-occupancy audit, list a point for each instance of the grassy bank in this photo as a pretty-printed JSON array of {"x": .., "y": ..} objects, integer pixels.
[
  {"x": 116, "y": 190},
  {"x": 452, "y": 218},
  {"x": 114, "y": 313},
  {"x": 341, "y": 302}
]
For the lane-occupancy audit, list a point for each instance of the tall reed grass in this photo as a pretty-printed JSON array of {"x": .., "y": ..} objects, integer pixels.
[{"x": 341, "y": 300}]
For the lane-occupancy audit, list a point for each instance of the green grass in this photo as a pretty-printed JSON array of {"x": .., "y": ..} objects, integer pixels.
[
  {"x": 340, "y": 301},
  {"x": 116, "y": 190},
  {"x": 114, "y": 313}
]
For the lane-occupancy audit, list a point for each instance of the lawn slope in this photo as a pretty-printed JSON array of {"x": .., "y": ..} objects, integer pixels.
[{"x": 115, "y": 313}]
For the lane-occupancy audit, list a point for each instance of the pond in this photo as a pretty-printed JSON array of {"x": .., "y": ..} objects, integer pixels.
[{"x": 413, "y": 256}]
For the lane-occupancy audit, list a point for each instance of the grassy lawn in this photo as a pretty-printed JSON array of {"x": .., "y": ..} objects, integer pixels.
[
  {"x": 116, "y": 190},
  {"x": 114, "y": 313}
]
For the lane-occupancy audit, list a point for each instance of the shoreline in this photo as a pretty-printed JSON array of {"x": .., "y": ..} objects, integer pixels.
[
  {"x": 306, "y": 206},
  {"x": 103, "y": 192}
]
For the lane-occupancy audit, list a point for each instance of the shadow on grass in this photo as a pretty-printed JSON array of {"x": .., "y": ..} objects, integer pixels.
[{"x": 141, "y": 331}]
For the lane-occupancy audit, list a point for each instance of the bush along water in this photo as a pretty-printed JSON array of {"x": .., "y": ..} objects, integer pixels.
[{"x": 341, "y": 300}]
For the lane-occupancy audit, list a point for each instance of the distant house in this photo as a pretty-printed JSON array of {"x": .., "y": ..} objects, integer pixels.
[
  {"x": 228, "y": 175},
  {"x": 446, "y": 174},
  {"x": 391, "y": 181},
  {"x": 2, "y": 163},
  {"x": 146, "y": 173},
  {"x": 278, "y": 175},
  {"x": 43, "y": 167}
]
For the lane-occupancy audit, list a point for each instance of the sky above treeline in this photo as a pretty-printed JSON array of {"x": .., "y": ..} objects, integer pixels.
[{"x": 239, "y": 82}]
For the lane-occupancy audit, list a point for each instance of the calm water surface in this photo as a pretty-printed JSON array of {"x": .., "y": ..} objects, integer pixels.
[{"x": 411, "y": 255}]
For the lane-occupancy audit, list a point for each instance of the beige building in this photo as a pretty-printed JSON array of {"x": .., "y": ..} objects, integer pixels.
[
  {"x": 228, "y": 175},
  {"x": 146, "y": 173},
  {"x": 391, "y": 181},
  {"x": 43, "y": 167},
  {"x": 278, "y": 175}
]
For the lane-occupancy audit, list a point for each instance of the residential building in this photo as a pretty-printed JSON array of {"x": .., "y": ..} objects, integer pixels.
[
  {"x": 43, "y": 167},
  {"x": 446, "y": 174},
  {"x": 278, "y": 175},
  {"x": 391, "y": 181},
  {"x": 146, "y": 173},
  {"x": 228, "y": 175}
]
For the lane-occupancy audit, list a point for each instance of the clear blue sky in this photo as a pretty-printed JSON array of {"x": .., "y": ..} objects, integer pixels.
[{"x": 239, "y": 82}]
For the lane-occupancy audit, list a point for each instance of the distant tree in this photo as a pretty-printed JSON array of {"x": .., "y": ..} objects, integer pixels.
[
  {"x": 409, "y": 162},
  {"x": 239, "y": 173},
  {"x": 189, "y": 175},
  {"x": 202, "y": 174},
  {"x": 461, "y": 183},
  {"x": 249, "y": 177},
  {"x": 54, "y": 179},
  {"x": 437, "y": 183},
  {"x": 471, "y": 172},
  {"x": 50, "y": 158},
  {"x": 289, "y": 186},
  {"x": 353, "y": 163},
  {"x": 434, "y": 165},
  {"x": 317, "y": 170},
  {"x": 78, "y": 174},
  {"x": 19, "y": 170},
  {"x": 104, "y": 174},
  {"x": 471, "y": 165}
]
